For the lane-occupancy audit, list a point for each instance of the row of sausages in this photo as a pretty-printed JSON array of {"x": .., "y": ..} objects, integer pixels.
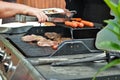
[{"x": 79, "y": 23}]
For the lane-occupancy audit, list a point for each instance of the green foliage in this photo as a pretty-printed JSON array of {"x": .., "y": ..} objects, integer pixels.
[
  {"x": 110, "y": 45},
  {"x": 115, "y": 8},
  {"x": 115, "y": 29},
  {"x": 115, "y": 23}
]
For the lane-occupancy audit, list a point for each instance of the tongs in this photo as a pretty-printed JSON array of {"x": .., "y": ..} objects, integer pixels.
[
  {"x": 51, "y": 17},
  {"x": 106, "y": 56},
  {"x": 65, "y": 61},
  {"x": 99, "y": 57},
  {"x": 60, "y": 61}
]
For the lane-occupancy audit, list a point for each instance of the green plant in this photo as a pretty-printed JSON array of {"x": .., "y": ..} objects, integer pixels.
[
  {"x": 109, "y": 38},
  {"x": 113, "y": 25}
]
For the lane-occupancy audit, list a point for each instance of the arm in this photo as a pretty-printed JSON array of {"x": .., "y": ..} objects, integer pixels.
[{"x": 11, "y": 9}]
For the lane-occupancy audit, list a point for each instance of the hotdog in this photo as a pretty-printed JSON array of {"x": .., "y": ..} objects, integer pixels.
[
  {"x": 71, "y": 24},
  {"x": 76, "y": 19},
  {"x": 79, "y": 24},
  {"x": 87, "y": 23}
]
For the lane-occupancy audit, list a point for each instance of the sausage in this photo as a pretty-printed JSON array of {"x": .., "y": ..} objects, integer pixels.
[
  {"x": 79, "y": 24},
  {"x": 76, "y": 19},
  {"x": 68, "y": 23},
  {"x": 54, "y": 47},
  {"x": 74, "y": 24},
  {"x": 87, "y": 23},
  {"x": 71, "y": 24}
]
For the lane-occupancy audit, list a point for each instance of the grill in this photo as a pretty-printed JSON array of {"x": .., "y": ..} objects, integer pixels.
[
  {"x": 80, "y": 46},
  {"x": 75, "y": 46}
]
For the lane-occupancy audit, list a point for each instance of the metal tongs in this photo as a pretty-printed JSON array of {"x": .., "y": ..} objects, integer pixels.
[
  {"x": 106, "y": 56},
  {"x": 99, "y": 57},
  {"x": 66, "y": 60},
  {"x": 51, "y": 17},
  {"x": 58, "y": 61}
]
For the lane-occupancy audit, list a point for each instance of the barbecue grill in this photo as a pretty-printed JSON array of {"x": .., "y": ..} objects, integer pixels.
[
  {"x": 79, "y": 43},
  {"x": 24, "y": 61}
]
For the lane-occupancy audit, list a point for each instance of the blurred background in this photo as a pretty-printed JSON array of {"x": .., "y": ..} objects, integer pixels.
[{"x": 92, "y": 10}]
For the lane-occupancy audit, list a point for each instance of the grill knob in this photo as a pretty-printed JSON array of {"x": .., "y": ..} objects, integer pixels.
[
  {"x": 8, "y": 66},
  {"x": 3, "y": 55}
]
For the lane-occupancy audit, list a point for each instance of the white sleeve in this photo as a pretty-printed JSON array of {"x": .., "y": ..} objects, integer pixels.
[{"x": 0, "y": 21}]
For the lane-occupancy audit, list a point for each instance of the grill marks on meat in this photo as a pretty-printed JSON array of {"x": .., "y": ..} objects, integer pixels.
[
  {"x": 30, "y": 38},
  {"x": 41, "y": 41},
  {"x": 47, "y": 43},
  {"x": 60, "y": 40},
  {"x": 56, "y": 37},
  {"x": 52, "y": 39},
  {"x": 52, "y": 35}
]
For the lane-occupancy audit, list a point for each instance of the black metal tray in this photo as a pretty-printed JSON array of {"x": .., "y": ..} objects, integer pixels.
[{"x": 86, "y": 32}]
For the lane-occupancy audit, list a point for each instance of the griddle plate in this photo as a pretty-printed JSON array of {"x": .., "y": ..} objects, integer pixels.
[{"x": 30, "y": 50}]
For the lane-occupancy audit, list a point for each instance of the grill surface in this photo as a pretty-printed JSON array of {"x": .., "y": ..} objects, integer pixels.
[
  {"x": 74, "y": 46},
  {"x": 30, "y": 50}
]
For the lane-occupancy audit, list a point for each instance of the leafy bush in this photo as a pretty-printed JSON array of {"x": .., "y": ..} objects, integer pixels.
[{"x": 113, "y": 25}]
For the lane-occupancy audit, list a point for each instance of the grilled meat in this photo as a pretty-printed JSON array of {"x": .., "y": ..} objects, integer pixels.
[
  {"x": 53, "y": 39},
  {"x": 47, "y": 43},
  {"x": 52, "y": 35},
  {"x": 30, "y": 38}
]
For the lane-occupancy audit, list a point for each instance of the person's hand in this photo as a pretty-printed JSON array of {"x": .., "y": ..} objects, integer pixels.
[
  {"x": 42, "y": 17},
  {"x": 11, "y": 9}
]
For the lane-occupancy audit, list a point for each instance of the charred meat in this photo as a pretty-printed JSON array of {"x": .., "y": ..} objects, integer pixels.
[{"x": 51, "y": 39}]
